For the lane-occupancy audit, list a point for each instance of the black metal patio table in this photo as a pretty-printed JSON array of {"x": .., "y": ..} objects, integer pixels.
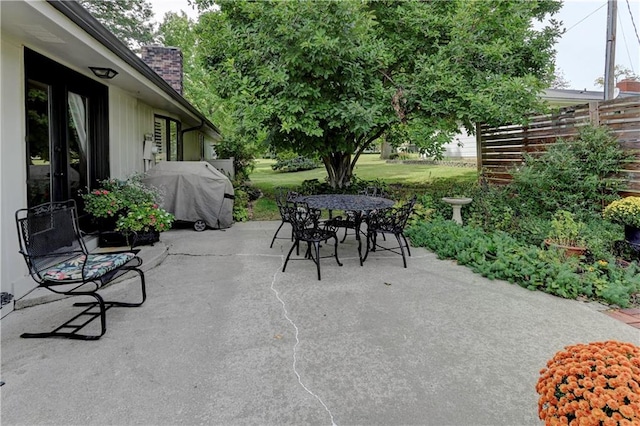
[{"x": 360, "y": 205}]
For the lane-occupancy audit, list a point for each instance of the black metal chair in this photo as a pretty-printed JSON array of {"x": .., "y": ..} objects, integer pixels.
[
  {"x": 306, "y": 228},
  {"x": 390, "y": 221},
  {"x": 59, "y": 261},
  {"x": 349, "y": 220},
  {"x": 283, "y": 196}
]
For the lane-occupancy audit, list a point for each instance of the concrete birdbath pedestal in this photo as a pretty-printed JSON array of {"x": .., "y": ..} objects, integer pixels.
[{"x": 457, "y": 204}]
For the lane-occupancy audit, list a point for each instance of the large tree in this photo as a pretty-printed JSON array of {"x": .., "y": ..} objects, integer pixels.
[
  {"x": 329, "y": 78},
  {"x": 129, "y": 20}
]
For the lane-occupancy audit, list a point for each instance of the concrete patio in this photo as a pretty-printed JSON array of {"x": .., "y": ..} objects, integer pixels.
[{"x": 226, "y": 338}]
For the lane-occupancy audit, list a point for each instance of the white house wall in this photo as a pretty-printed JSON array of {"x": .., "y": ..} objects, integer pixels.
[
  {"x": 191, "y": 146},
  {"x": 462, "y": 146},
  {"x": 129, "y": 120},
  {"x": 13, "y": 169}
]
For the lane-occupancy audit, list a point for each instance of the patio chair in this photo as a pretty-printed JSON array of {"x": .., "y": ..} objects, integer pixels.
[
  {"x": 349, "y": 220},
  {"x": 306, "y": 228},
  {"x": 283, "y": 196},
  {"x": 58, "y": 260},
  {"x": 390, "y": 221},
  {"x": 375, "y": 191}
]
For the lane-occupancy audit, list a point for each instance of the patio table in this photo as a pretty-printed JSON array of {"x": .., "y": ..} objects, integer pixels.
[{"x": 360, "y": 205}]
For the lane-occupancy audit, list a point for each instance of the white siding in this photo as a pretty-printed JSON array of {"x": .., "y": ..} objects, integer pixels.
[
  {"x": 191, "y": 146},
  {"x": 13, "y": 169},
  {"x": 467, "y": 150},
  {"x": 129, "y": 120}
]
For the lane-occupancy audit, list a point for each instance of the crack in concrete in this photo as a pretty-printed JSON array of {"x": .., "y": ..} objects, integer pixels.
[{"x": 295, "y": 347}]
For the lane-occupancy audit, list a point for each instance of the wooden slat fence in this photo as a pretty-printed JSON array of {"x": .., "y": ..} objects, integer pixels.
[{"x": 500, "y": 149}]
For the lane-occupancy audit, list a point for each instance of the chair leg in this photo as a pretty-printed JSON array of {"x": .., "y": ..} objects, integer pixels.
[
  {"x": 276, "y": 234},
  {"x": 366, "y": 253},
  {"x": 143, "y": 289},
  {"x": 316, "y": 245},
  {"x": 406, "y": 244},
  {"x": 289, "y": 254},
  {"x": 335, "y": 251},
  {"x": 404, "y": 260},
  {"x": 346, "y": 231},
  {"x": 76, "y": 327}
]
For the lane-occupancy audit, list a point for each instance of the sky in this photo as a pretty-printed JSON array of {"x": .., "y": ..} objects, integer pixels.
[{"x": 581, "y": 50}]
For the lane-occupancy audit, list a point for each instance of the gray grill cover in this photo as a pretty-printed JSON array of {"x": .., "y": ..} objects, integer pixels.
[{"x": 193, "y": 190}]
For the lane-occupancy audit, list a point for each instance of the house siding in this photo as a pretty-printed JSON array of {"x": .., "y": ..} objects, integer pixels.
[
  {"x": 129, "y": 120},
  {"x": 13, "y": 166},
  {"x": 191, "y": 146}
]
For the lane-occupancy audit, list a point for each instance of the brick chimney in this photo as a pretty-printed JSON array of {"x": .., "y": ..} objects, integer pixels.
[
  {"x": 166, "y": 62},
  {"x": 628, "y": 85}
]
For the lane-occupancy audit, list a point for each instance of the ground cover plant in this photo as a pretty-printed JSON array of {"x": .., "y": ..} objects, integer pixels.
[{"x": 506, "y": 226}]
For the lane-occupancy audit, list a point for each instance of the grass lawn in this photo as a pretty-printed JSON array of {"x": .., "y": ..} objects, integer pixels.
[{"x": 369, "y": 167}]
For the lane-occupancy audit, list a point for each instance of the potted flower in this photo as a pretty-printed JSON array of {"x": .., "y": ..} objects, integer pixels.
[
  {"x": 626, "y": 211},
  {"x": 103, "y": 203},
  {"x": 114, "y": 200},
  {"x": 593, "y": 384},
  {"x": 565, "y": 234},
  {"x": 145, "y": 222}
]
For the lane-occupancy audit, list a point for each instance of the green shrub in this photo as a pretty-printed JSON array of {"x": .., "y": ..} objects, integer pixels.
[
  {"x": 240, "y": 206},
  {"x": 243, "y": 155},
  {"x": 295, "y": 164},
  {"x": 575, "y": 175}
]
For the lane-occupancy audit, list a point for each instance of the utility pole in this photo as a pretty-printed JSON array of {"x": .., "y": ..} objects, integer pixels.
[{"x": 610, "y": 57}]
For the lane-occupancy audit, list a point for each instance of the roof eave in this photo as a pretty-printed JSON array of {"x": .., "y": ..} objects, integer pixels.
[{"x": 83, "y": 19}]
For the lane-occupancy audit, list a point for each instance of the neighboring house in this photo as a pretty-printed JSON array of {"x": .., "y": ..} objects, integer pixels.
[
  {"x": 64, "y": 126},
  {"x": 464, "y": 146}
]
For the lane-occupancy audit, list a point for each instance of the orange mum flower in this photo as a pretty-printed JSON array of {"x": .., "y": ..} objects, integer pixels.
[{"x": 599, "y": 384}]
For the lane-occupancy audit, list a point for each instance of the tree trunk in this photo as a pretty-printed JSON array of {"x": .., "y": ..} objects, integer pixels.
[
  {"x": 385, "y": 150},
  {"x": 339, "y": 169}
]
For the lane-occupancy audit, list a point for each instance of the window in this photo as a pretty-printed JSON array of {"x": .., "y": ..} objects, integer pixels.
[{"x": 166, "y": 135}]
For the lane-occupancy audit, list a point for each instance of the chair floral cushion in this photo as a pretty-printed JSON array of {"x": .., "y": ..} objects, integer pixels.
[{"x": 96, "y": 266}]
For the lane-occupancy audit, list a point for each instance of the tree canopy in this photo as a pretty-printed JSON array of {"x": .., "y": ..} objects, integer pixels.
[
  {"x": 129, "y": 20},
  {"x": 329, "y": 78}
]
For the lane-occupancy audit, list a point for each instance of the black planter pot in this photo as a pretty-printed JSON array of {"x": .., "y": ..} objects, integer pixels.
[
  {"x": 107, "y": 234},
  {"x": 112, "y": 239},
  {"x": 106, "y": 224},
  {"x": 632, "y": 236},
  {"x": 145, "y": 238}
]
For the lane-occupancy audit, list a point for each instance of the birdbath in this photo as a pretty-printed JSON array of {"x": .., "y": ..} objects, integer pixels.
[{"x": 457, "y": 204}]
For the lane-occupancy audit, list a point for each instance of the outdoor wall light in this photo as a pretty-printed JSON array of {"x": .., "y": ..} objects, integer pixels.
[{"x": 106, "y": 73}]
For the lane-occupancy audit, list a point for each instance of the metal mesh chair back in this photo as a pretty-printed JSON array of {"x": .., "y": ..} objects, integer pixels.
[
  {"x": 305, "y": 223},
  {"x": 49, "y": 234},
  {"x": 374, "y": 191},
  {"x": 283, "y": 199},
  {"x": 392, "y": 220},
  {"x": 302, "y": 217}
]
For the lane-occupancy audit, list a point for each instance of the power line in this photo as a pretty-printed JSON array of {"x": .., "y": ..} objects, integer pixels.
[
  {"x": 574, "y": 25},
  {"x": 632, "y": 21},
  {"x": 626, "y": 46}
]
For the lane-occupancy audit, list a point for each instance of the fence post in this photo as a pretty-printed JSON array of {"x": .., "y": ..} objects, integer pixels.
[
  {"x": 479, "y": 147},
  {"x": 594, "y": 113}
]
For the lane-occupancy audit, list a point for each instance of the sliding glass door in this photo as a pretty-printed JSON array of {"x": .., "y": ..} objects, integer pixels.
[{"x": 67, "y": 132}]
